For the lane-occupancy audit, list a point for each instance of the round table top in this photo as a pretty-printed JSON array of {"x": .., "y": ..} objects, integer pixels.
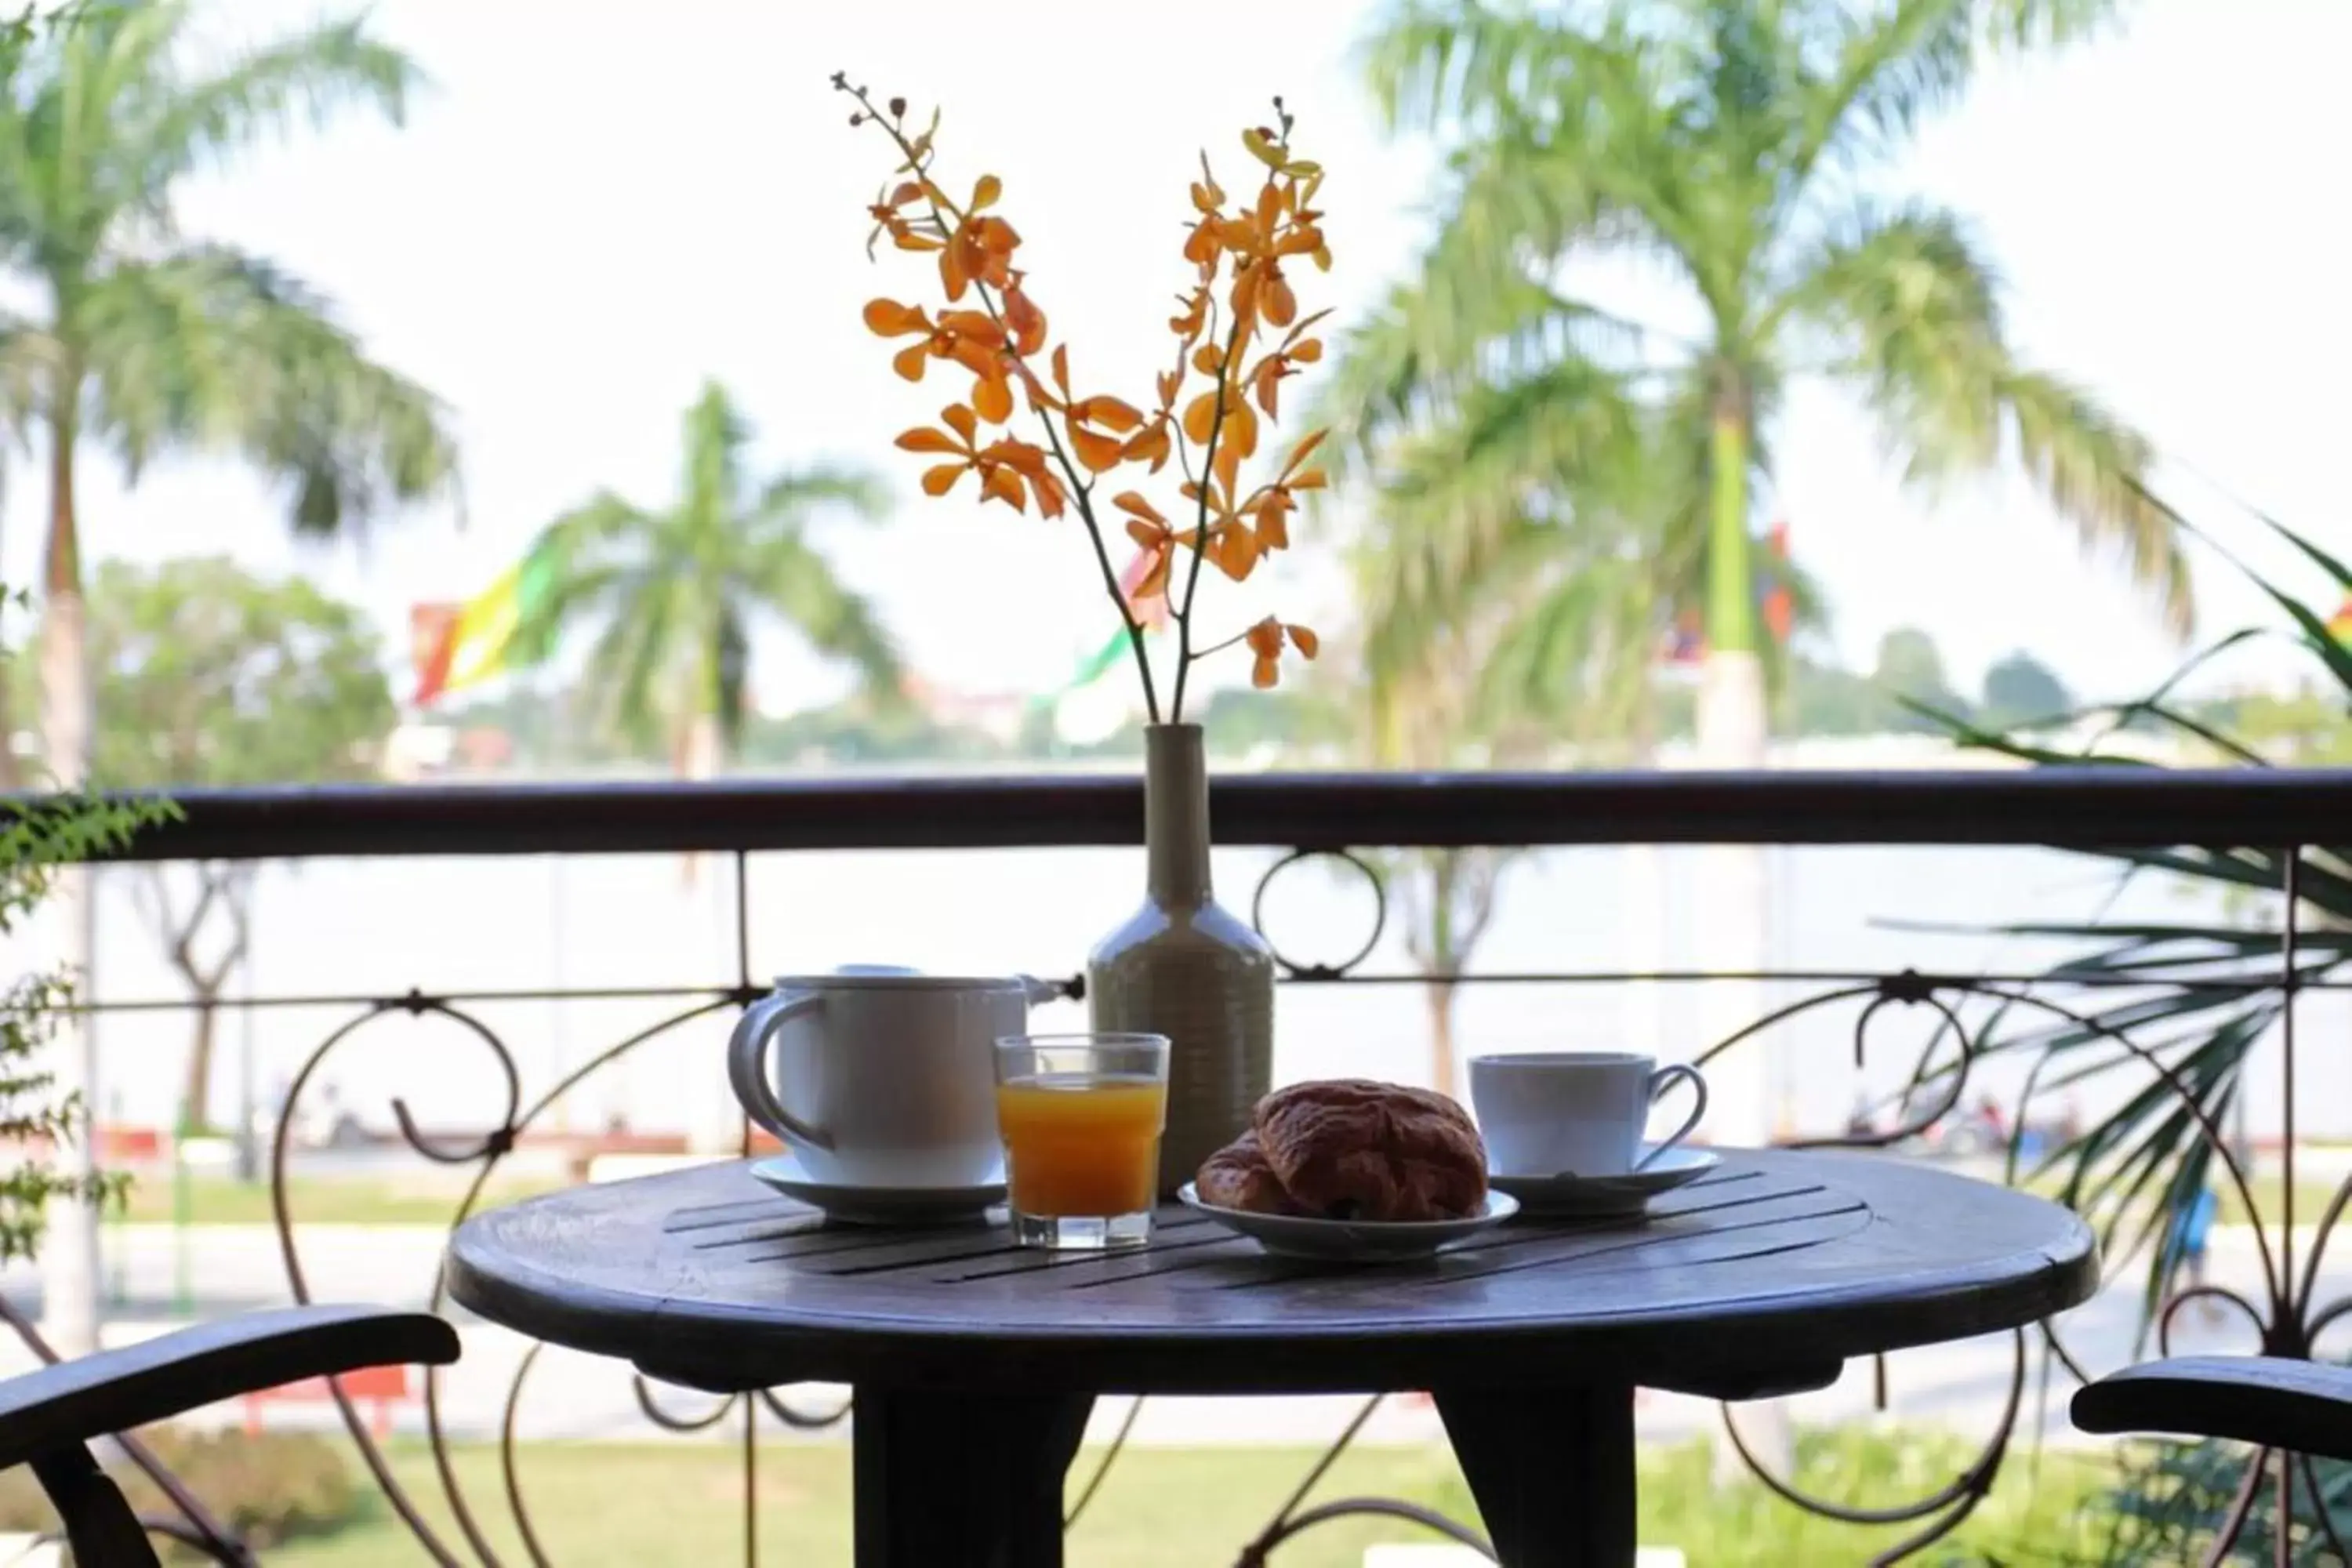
[{"x": 1761, "y": 1278}]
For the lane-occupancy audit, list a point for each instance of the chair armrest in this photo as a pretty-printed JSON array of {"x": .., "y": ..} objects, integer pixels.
[
  {"x": 66, "y": 1404},
  {"x": 2304, "y": 1407}
]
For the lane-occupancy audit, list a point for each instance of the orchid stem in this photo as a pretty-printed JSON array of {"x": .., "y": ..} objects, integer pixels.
[{"x": 1201, "y": 527}]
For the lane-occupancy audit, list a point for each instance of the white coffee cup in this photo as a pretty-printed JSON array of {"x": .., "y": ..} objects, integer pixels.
[
  {"x": 1580, "y": 1113},
  {"x": 881, "y": 1077}
]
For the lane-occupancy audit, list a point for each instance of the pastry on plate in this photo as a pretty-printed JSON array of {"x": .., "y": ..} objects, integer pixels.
[
  {"x": 1238, "y": 1176},
  {"x": 1355, "y": 1150}
]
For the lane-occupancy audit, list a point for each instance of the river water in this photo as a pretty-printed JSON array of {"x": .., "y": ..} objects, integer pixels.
[{"x": 342, "y": 928}]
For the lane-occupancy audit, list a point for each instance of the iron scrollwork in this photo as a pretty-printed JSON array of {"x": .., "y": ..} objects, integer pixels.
[
  {"x": 1291, "y": 968},
  {"x": 2285, "y": 1312}
]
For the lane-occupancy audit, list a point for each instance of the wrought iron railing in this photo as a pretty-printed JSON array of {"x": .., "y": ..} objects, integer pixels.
[{"x": 1303, "y": 818}]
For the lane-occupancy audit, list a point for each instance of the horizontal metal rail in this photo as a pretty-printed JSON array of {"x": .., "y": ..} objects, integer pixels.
[{"x": 2080, "y": 808}]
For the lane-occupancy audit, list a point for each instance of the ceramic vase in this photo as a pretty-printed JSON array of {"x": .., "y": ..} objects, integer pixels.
[{"x": 1184, "y": 966}]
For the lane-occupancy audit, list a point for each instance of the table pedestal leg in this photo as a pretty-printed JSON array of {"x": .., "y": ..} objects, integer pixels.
[
  {"x": 957, "y": 1478},
  {"x": 1552, "y": 1470}
]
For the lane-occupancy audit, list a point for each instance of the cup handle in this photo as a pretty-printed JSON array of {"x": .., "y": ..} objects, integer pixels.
[
  {"x": 747, "y": 1064},
  {"x": 1664, "y": 1079}
]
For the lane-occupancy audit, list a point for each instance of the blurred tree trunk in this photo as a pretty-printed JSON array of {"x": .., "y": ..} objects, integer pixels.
[
  {"x": 229, "y": 887},
  {"x": 69, "y": 1274},
  {"x": 1448, "y": 901},
  {"x": 1444, "y": 1059},
  {"x": 700, "y": 754},
  {"x": 10, "y": 775}
]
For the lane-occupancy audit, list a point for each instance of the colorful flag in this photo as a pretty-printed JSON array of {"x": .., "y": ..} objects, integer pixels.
[
  {"x": 458, "y": 646},
  {"x": 1779, "y": 605},
  {"x": 1686, "y": 640},
  {"x": 1149, "y": 613},
  {"x": 1075, "y": 714}
]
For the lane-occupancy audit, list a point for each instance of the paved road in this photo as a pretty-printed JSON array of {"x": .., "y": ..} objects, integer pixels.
[{"x": 231, "y": 1268}]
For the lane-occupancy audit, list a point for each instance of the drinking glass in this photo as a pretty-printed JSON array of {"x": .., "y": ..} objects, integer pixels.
[{"x": 1081, "y": 1117}]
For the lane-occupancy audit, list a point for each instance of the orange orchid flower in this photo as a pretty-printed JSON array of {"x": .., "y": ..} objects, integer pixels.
[
  {"x": 970, "y": 338},
  {"x": 889, "y": 319},
  {"x": 1152, "y": 533},
  {"x": 1266, "y": 379},
  {"x": 1232, "y": 546},
  {"x": 1030, "y": 462},
  {"x": 963, "y": 443},
  {"x": 1009, "y": 469},
  {"x": 888, "y": 219},
  {"x": 1193, "y": 319},
  {"x": 999, "y": 482},
  {"x": 1235, "y": 433},
  {"x": 1099, "y": 449},
  {"x": 1148, "y": 611},
  {"x": 1268, "y": 375},
  {"x": 980, "y": 249},
  {"x": 1152, "y": 444},
  {"x": 1202, "y": 242},
  {"x": 1207, "y": 194},
  {"x": 1233, "y": 549},
  {"x": 1258, "y": 238},
  {"x": 1262, "y": 293},
  {"x": 992, "y": 393},
  {"x": 1026, "y": 321},
  {"x": 1305, "y": 237},
  {"x": 1266, "y": 640},
  {"x": 1271, "y": 507},
  {"x": 1291, "y": 475}
]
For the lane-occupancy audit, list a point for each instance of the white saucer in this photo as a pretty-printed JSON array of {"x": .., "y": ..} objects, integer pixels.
[
  {"x": 1567, "y": 1196},
  {"x": 1353, "y": 1241},
  {"x": 846, "y": 1205}
]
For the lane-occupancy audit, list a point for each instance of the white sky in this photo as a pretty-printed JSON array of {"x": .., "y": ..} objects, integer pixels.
[{"x": 602, "y": 201}]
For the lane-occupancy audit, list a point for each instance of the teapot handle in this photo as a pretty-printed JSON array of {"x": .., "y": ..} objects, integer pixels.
[{"x": 747, "y": 1064}]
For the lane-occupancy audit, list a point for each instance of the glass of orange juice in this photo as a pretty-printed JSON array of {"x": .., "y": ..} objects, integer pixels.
[{"x": 1081, "y": 1117}]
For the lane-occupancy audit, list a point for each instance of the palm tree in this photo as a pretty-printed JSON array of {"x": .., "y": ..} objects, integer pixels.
[
  {"x": 676, "y": 593},
  {"x": 143, "y": 341},
  {"x": 1554, "y": 573},
  {"x": 1725, "y": 142}
]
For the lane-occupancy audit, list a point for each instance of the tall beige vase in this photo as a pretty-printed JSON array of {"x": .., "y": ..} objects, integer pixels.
[{"x": 1186, "y": 967}]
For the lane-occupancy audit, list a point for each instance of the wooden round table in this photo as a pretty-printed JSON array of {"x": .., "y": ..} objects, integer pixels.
[{"x": 975, "y": 1364}]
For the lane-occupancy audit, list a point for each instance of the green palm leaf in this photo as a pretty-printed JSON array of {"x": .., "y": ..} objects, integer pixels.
[
  {"x": 675, "y": 595},
  {"x": 1718, "y": 146},
  {"x": 2198, "y": 996},
  {"x": 153, "y": 342}
]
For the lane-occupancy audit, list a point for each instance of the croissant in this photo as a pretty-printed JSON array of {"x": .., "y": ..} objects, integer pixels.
[
  {"x": 1352, "y": 1149},
  {"x": 1238, "y": 1176}
]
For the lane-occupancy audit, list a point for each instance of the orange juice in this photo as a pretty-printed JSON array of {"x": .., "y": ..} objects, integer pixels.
[{"x": 1082, "y": 1144}]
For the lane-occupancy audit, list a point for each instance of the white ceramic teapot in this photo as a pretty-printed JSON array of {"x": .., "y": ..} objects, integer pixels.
[{"x": 886, "y": 1077}]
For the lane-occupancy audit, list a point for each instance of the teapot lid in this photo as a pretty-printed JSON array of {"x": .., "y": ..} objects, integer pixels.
[{"x": 891, "y": 977}]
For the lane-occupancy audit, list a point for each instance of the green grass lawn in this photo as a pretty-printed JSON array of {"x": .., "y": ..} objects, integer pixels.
[
  {"x": 2311, "y": 1201},
  {"x": 430, "y": 1196},
  {"x": 431, "y": 1199},
  {"x": 2311, "y": 1198},
  {"x": 605, "y": 1506}
]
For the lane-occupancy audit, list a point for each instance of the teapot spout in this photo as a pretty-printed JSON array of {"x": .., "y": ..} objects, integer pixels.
[{"x": 1034, "y": 989}]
